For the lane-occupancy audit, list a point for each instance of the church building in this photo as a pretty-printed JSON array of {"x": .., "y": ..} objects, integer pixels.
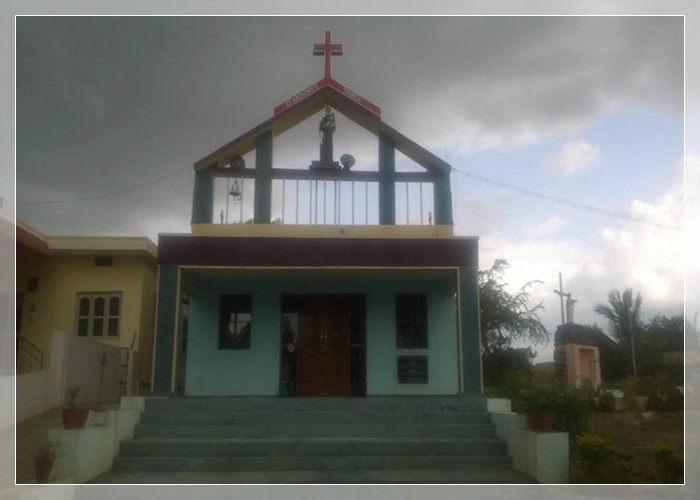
[{"x": 326, "y": 300}]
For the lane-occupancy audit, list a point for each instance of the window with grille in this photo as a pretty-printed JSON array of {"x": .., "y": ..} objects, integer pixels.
[
  {"x": 234, "y": 328},
  {"x": 411, "y": 322},
  {"x": 99, "y": 314}
]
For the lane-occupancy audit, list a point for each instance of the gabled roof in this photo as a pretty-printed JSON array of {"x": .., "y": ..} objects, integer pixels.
[{"x": 310, "y": 101}]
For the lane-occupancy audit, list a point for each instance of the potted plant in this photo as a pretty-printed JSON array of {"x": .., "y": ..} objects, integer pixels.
[
  {"x": 74, "y": 417},
  {"x": 44, "y": 460},
  {"x": 538, "y": 406},
  {"x": 540, "y": 421}
]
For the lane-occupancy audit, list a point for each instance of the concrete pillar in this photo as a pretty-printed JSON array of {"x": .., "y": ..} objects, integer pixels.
[
  {"x": 166, "y": 325},
  {"x": 263, "y": 179},
  {"x": 387, "y": 184},
  {"x": 203, "y": 197},
  {"x": 442, "y": 196},
  {"x": 471, "y": 330}
]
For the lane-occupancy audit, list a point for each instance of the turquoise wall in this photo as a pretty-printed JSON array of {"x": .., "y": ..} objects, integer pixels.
[
  {"x": 442, "y": 348},
  {"x": 215, "y": 372},
  {"x": 211, "y": 371}
]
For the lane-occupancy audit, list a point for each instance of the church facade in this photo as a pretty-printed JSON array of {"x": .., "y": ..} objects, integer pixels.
[{"x": 330, "y": 307}]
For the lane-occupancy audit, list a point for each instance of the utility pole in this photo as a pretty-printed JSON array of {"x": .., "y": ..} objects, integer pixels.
[{"x": 634, "y": 359}]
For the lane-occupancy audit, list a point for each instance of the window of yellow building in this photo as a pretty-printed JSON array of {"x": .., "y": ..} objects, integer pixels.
[{"x": 98, "y": 314}]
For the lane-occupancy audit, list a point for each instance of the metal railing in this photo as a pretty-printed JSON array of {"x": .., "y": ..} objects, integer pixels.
[
  {"x": 325, "y": 202},
  {"x": 29, "y": 357}
]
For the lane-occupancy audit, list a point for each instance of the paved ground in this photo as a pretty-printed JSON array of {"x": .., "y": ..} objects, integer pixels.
[
  {"x": 30, "y": 435},
  {"x": 317, "y": 477}
]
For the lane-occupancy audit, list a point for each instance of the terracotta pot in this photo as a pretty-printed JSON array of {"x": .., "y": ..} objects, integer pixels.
[
  {"x": 42, "y": 467},
  {"x": 75, "y": 418},
  {"x": 540, "y": 422}
]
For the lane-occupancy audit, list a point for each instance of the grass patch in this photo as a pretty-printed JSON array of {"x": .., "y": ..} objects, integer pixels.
[{"x": 638, "y": 437}]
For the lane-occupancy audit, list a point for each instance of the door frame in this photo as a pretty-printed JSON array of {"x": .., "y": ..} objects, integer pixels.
[{"x": 291, "y": 303}]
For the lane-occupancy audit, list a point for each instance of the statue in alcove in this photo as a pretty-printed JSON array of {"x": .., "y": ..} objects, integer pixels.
[{"x": 326, "y": 129}]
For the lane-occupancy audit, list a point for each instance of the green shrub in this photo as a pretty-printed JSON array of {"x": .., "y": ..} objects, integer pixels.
[
  {"x": 674, "y": 400},
  {"x": 669, "y": 464},
  {"x": 633, "y": 387},
  {"x": 669, "y": 399},
  {"x": 602, "y": 461},
  {"x": 656, "y": 403},
  {"x": 569, "y": 406},
  {"x": 510, "y": 385},
  {"x": 606, "y": 402}
]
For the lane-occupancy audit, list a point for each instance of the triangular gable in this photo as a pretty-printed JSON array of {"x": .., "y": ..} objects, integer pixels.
[{"x": 310, "y": 101}]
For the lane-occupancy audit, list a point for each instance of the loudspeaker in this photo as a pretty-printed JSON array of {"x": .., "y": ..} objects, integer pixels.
[{"x": 32, "y": 284}]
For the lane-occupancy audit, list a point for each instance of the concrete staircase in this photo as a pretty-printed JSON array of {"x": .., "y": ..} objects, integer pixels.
[{"x": 433, "y": 437}]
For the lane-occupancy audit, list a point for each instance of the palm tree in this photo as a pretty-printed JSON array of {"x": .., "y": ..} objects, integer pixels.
[{"x": 623, "y": 313}]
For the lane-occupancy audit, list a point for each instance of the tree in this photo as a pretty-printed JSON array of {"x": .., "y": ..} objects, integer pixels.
[
  {"x": 506, "y": 317},
  {"x": 662, "y": 334},
  {"x": 623, "y": 313}
]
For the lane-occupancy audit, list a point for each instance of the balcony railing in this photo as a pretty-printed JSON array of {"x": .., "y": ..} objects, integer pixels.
[{"x": 324, "y": 202}]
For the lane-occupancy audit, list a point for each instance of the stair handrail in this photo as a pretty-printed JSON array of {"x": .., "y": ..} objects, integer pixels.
[{"x": 29, "y": 357}]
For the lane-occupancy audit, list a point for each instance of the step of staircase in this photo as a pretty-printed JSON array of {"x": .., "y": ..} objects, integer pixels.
[
  {"x": 326, "y": 447},
  {"x": 377, "y": 476},
  {"x": 359, "y": 462},
  {"x": 325, "y": 429},
  {"x": 227, "y": 417},
  {"x": 325, "y": 436},
  {"x": 268, "y": 404}
]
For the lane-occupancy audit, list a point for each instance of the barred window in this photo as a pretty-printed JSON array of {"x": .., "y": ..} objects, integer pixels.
[
  {"x": 411, "y": 322},
  {"x": 98, "y": 314},
  {"x": 235, "y": 323}
]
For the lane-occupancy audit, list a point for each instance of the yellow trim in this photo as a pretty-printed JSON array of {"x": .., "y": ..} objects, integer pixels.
[
  {"x": 321, "y": 231},
  {"x": 460, "y": 356},
  {"x": 176, "y": 329},
  {"x": 155, "y": 332},
  {"x": 117, "y": 244}
]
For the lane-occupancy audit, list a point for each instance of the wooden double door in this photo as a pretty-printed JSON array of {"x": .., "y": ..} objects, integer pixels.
[{"x": 323, "y": 363}]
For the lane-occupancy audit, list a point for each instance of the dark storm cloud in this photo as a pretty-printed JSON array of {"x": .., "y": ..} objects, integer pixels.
[{"x": 108, "y": 103}]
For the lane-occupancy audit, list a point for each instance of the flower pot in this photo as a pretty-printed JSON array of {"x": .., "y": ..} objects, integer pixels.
[
  {"x": 43, "y": 467},
  {"x": 74, "y": 418},
  {"x": 540, "y": 422}
]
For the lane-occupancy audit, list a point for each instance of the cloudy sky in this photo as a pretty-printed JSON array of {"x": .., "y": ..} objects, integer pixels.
[
  {"x": 581, "y": 110},
  {"x": 105, "y": 111}
]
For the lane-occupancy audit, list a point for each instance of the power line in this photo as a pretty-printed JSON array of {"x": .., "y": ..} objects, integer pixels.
[
  {"x": 107, "y": 195},
  {"x": 528, "y": 192},
  {"x": 575, "y": 204}
]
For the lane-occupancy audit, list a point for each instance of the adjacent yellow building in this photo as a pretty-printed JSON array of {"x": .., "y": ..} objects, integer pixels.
[{"x": 103, "y": 288}]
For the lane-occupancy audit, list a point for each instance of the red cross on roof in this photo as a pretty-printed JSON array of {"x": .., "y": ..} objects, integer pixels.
[{"x": 328, "y": 49}]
